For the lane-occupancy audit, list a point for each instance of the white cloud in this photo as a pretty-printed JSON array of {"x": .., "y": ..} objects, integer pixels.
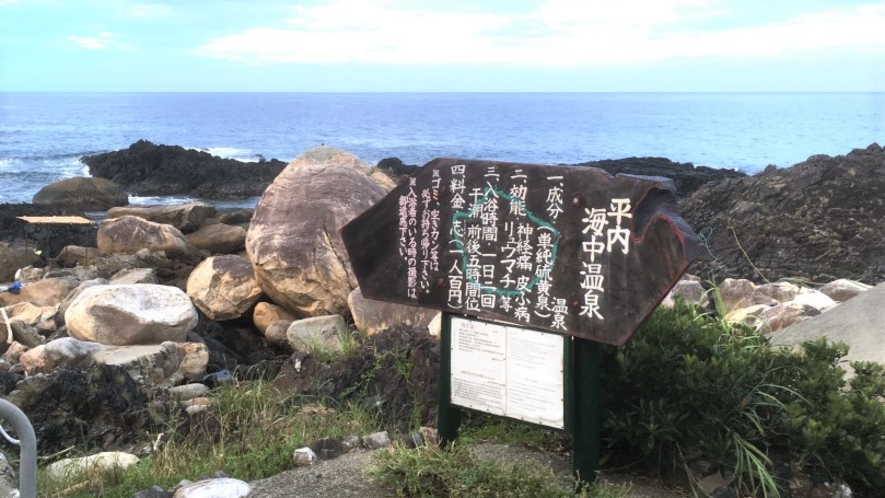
[
  {"x": 555, "y": 33},
  {"x": 7, "y": 2},
  {"x": 104, "y": 40}
]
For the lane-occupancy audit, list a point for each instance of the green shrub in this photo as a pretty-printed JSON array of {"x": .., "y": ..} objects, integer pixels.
[{"x": 690, "y": 386}]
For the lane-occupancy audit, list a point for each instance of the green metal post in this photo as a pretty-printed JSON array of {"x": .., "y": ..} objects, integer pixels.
[
  {"x": 448, "y": 417},
  {"x": 586, "y": 418}
]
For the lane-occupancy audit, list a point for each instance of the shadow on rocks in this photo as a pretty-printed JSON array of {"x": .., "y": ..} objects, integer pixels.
[
  {"x": 394, "y": 371},
  {"x": 101, "y": 407}
]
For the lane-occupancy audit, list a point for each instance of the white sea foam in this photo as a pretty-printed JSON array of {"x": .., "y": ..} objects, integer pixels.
[
  {"x": 152, "y": 200},
  {"x": 244, "y": 155}
]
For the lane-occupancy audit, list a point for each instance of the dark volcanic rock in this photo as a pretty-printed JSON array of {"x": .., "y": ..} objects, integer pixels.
[
  {"x": 100, "y": 407},
  {"x": 148, "y": 169},
  {"x": 820, "y": 219},
  {"x": 395, "y": 168},
  {"x": 12, "y": 228},
  {"x": 687, "y": 176},
  {"x": 396, "y": 372}
]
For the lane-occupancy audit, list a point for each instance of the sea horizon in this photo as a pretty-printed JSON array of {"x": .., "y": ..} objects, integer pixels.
[{"x": 44, "y": 134}]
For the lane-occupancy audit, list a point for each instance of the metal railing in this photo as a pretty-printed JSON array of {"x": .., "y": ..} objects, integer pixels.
[{"x": 27, "y": 442}]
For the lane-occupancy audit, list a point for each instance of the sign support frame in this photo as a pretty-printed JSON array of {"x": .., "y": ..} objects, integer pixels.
[{"x": 582, "y": 404}]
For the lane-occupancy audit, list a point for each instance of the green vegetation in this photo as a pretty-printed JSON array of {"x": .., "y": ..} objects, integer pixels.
[
  {"x": 690, "y": 387},
  {"x": 250, "y": 433},
  {"x": 689, "y": 395},
  {"x": 457, "y": 473}
]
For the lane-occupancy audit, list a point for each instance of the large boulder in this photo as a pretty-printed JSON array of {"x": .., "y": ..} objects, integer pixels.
[
  {"x": 318, "y": 333},
  {"x": 128, "y": 234},
  {"x": 83, "y": 194},
  {"x": 123, "y": 315},
  {"x": 820, "y": 219},
  {"x": 294, "y": 241},
  {"x": 148, "y": 169},
  {"x": 186, "y": 217},
  {"x": 223, "y": 287},
  {"x": 219, "y": 238},
  {"x": 371, "y": 316},
  {"x": 856, "y": 322}
]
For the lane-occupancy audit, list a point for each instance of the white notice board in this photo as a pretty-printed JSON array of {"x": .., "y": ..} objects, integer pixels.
[{"x": 508, "y": 371}]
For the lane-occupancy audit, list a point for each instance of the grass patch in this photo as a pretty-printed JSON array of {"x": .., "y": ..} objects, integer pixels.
[
  {"x": 483, "y": 428},
  {"x": 250, "y": 433},
  {"x": 428, "y": 472}
]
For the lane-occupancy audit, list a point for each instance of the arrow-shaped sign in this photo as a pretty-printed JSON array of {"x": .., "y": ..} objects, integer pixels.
[{"x": 571, "y": 250}]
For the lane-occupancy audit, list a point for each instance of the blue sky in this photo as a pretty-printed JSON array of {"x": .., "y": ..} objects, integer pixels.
[{"x": 451, "y": 45}]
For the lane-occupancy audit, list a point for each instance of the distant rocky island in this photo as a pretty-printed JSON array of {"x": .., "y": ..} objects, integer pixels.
[{"x": 149, "y": 169}]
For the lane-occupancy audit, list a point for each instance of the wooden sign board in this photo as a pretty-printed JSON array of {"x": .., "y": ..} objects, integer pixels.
[{"x": 569, "y": 250}]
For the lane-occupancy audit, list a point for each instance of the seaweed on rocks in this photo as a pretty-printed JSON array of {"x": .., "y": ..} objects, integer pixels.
[{"x": 101, "y": 407}]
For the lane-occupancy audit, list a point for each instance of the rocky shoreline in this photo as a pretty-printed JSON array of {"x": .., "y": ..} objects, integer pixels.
[{"x": 170, "y": 300}]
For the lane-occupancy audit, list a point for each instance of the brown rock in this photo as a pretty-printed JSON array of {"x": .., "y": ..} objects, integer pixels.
[
  {"x": 275, "y": 333},
  {"x": 842, "y": 290},
  {"x": 779, "y": 292},
  {"x": 223, "y": 287},
  {"x": 185, "y": 217},
  {"x": 82, "y": 193},
  {"x": 748, "y": 315},
  {"x": 77, "y": 255},
  {"x": 294, "y": 241},
  {"x": 783, "y": 315},
  {"x": 46, "y": 292},
  {"x": 267, "y": 313},
  {"x": 14, "y": 353},
  {"x": 317, "y": 332},
  {"x": 219, "y": 238},
  {"x": 129, "y": 234},
  {"x": 134, "y": 314},
  {"x": 372, "y": 316},
  {"x": 135, "y": 276},
  {"x": 29, "y": 314},
  {"x": 736, "y": 293}
]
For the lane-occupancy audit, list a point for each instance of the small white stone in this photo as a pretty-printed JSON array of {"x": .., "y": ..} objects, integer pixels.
[
  {"x": 377, "y": 440},
  {"x": 100, "y": 462},
  {"x": 224, "y": 487},
  {"x": 189, "y": 391},
  {"x": 194, "y": 409},
  {"x": 304, "y": 457}
]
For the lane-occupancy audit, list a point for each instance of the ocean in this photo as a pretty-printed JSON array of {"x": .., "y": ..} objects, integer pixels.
[{"x": 43, "y": 135}]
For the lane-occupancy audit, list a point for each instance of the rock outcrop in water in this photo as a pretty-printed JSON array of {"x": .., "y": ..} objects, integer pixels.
[
  {"x": 686, "y": 176},
  {"x": 149, "y": 169},
  {"x": 820, "y": 219}
]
